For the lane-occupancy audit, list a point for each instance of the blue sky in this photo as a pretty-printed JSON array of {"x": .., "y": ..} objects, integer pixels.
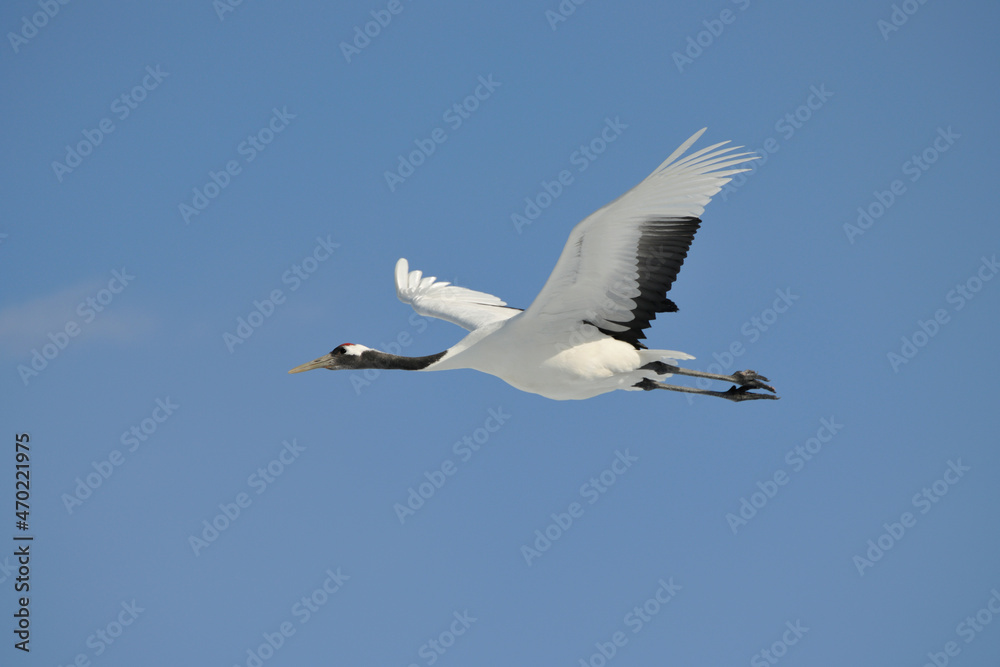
[{"x": 197, "y": 200}]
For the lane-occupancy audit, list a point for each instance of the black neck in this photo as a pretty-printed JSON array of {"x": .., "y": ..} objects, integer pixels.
[{"x": 377, "y": 359}]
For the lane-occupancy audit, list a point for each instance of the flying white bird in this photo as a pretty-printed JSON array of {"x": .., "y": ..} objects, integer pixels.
[{"x": 580, "y": 336}]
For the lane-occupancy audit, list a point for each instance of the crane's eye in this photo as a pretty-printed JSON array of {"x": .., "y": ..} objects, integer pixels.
[{"x": 337, "y": 350}]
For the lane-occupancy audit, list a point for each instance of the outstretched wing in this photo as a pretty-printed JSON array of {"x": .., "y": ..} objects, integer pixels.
[
  {"x": 619, "y": 263},
  {"x": 465, "y": 307}
]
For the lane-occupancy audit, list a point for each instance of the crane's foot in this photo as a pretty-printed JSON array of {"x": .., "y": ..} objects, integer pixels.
[
  {"x": 737, "y": 394},
  {"x": 751, "y": 380}
]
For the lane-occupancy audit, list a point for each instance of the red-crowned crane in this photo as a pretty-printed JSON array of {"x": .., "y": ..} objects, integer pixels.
[{"x": 580, "y": 336}]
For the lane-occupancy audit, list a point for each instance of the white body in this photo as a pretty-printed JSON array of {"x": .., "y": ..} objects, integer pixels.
[
  {"x": 606, "y": 278},
  {"x": 582, "y": 365}
]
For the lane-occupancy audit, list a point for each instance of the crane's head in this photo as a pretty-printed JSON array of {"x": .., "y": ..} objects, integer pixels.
[{"x": 346, "y": 355}]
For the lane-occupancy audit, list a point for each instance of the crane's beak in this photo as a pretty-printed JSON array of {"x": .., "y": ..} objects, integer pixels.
[{"x": 315, "y": 363}]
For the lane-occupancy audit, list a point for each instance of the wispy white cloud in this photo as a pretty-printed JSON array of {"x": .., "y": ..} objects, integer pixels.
[{"x": 27, "y": 325}]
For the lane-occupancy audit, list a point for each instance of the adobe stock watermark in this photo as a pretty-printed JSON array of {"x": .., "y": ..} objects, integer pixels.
[
  {"x": 779, "y": 648},
  {"x": 303, "y": 610},
  {"x": 87, "y": 310},
  {"x": 104, "y": 637},
  {"x": 787, "y": 126},
  {"x": 635, "y": 620},
  {"x": 223, "y": 7},
  {"x": 122, "y": 107},
  {"x": 295, "y": 276},
  {"x": 30, "y": 26},
  {"x": 898, "y": 17},
  {"x": 364, "y": 34},
  {"x": 914, "y": 168},
  {"x": 454, "y": 116},
  {"x": 591, "y": 491},
  {"x": 752, "y": 330},
  {"x": 249, "y": 149},
  {"x": 714, "y": 27},
  {"x": 259, "y": 481},
  {"x": 796, "y": 459},
  {"x": 562, "y": 12},
  {"x": 135, "y": 436},
  {"x": 581, "y": 158},
  {"x": 437, "y": 477},
  {"x": 967, "y": 630},
  {"x": 924, "y": 501},
  {"x": 959, "y": 297},
  {"x": 432, "y": 650}
]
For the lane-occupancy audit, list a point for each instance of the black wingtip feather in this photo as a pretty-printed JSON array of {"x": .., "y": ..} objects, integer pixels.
[{"x": 663, "y": 246}]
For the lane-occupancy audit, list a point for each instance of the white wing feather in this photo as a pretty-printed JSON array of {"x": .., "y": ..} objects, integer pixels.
[
  {"x": 597, "y": 275},
  {"x": 465, "y": 307}
]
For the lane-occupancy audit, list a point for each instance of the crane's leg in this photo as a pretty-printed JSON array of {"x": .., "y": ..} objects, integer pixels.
[
  {"x": 748, "y": 379},
  {"x": 734, "y": 393}
]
